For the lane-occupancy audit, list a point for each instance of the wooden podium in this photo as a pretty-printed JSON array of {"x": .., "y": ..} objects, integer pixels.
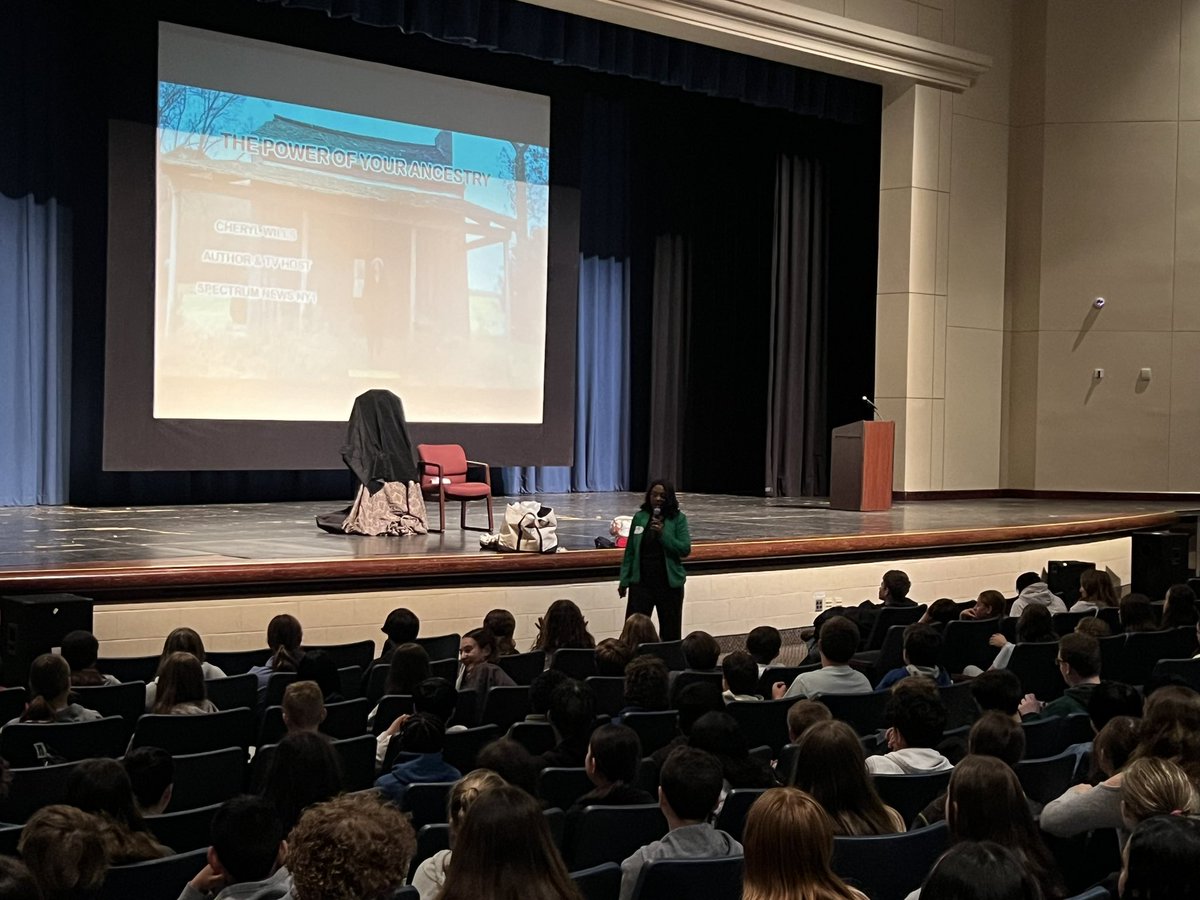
[{"x": 861, "y": 475}]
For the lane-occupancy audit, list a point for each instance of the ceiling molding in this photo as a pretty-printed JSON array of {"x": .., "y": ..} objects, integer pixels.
[{"x": 789, "y": 33}]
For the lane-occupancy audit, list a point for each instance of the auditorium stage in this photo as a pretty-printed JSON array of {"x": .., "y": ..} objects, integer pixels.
[{"x": 122, "y": 555}]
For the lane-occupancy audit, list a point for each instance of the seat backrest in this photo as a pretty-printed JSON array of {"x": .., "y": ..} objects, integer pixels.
[
  {"x": 966, "y": 644},
  {"x": 1047, "y": 779},
  {"x": 153, "y": 879},
  {"x": 205, "y": 778},
  {"x": 451, "y": 457},
  {"x": 277, "y": 684},
  {"x": 237, "y": 662},
  {"x": 68, "y": 740},
  {"x": 1112, "y": 656},
  {"x": 389, "y": 709},
  {"x": 536, "y": 737},
  {"x": 505, "y": 705},
  {"x": 1044, "y": 737},
  {"x": 889, "y": 867},
  {"x": 862, "y": 712},
  {"x": 602, "y": 882},
  {"x": 785, "y": 767},
  {"x": 462, "y": 747},
  {"x": 654, "y": 729},
  {"x": 34, "y": 787},
  {"x": 195, "y": 734},
  {"x": 1143, "y": 649},
  {"x": 129, "y": 668},
  {"x": 357, "y": 755},
  {"x": 523, "y": 667},
  {"x": 1034, "y": 665},
  {"x": 690, "y": 676},
  {"x": 431, "y": 839},
  {"x": 1111, "y": 615},
  {"x": 670, "y": 652},
  {"x": 732, "y": 817},
  {"x": 909, "y": 794},
  {"x": 233, "y": 691},
  {"x": 577, "y": 662},
  {"x": 561, "y": 786},
  {"x": 609, "y": 693},
  {"x": 887, "y": 618},
  {"x": 670, "y": 879},
  {"x": 125, "y": 700},
  {"x": 441, "y": 646},
  {"x": 891, "y": 652},
  {"x": 426, "y": 802},
  {"x": 1187, "y": 669},
  {"x": 189, "y": 829},
  {"x": 612, "y": 833},
  {"x": 356, "y": 653},
  {"x": 961, "y": 708},
  {"x": 346, "y": 719},
  {"x": 763, "y": 722}
]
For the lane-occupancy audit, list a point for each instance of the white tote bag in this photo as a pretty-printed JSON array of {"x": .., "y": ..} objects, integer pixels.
[{"x": 528, "y": 527}]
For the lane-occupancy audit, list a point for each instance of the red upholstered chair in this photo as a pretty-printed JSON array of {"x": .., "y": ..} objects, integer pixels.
[{"x": 444, "y": 476}]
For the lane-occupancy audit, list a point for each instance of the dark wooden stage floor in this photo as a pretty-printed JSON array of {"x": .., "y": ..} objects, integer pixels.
[{"x": 121, "y": 553}]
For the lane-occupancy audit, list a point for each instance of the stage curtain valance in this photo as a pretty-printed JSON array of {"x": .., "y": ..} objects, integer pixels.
[{"x": 508, "y": 26}]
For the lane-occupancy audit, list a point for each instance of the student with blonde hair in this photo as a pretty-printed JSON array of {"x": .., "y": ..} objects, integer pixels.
[
  {"x": 1156, "y": 787},
  {"x": 788, "y": 846},
  {"x": 431, "y": 874},
  {"x": 303, "y": 707}
]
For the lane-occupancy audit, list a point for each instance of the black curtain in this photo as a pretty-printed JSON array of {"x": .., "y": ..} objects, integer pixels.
[{"x": 797, "y": 425}]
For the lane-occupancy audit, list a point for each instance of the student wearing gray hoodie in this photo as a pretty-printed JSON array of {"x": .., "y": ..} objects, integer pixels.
[
  {"x": 916, "y": 720},
  {"x": 689, "y": 787},
  {"x": 245, "y": 859},
  {"x": 1031, "y": 590}
]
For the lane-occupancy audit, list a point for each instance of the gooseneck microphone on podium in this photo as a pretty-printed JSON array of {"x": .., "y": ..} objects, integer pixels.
[{"x": 874, "y": 408}]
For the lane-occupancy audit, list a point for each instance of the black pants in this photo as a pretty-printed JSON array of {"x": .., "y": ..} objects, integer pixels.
[{"x": 669, "y": 601}]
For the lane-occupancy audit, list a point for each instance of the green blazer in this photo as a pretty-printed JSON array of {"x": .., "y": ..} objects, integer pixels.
[{"x": 676, "y": 541}]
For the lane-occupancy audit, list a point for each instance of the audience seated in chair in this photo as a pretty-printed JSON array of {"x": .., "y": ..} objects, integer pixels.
[
  {"x": 435, "y": 696},
  {"x": 573, "y": 714},
  {"x": 979, "y": 870},
  {"x": 789, "y": 847},
  {"x": 102, "y": 788},
  {"x": 476, "y": 670},
  {"x": 424, "y": 735},
  {"x": 922, "y": 656},
  {"x": 916, "y": 719},
  {"x": 1033, "y": 591},
  {"x": 430, "y": 875},
  {"x": 65, "y": 852},
  {"x": 994, "y": 734},
  {"x": 181, "y": 640},
  {"x": 1035, "y": 625},
  {"x": 1160, "y": 859},
  {"x": 1170, "y": 729},
  {"x": 540, "y": 692},
  {"x": 988, "y": 605},
  {"x": 740, "y": 677},
  {"x": 893, "y": 594},
  {"x": 700, "y": 652},
  {"x": 614, "y": 753},
  {"x": 803, "y": 715},
  {"x": 503, "y": 851},
  {"x": 303, "y": 707},
  {"x": 181, "y": 690},
  {"x": 647, "y": 687},
  {"x": 351, "y": 847},
  {"x": 284, "y": 638},
  {"x": 1136, "y": 614},
  {"x": 939, "y": 612},
  {"x": 151, "y": 772},
  {"x": 246, "y": 859},
  {"x": 837, "y": 644},
  {"x": 305, "y": 769},
  {"x": 318, "y": 666},
  {"x": 998, "y": 690},
  {"x": 512, "y": 762},
  {"x": 612, "y": 656},
  {"x": 502, "y": 624},
  {"x": 1110, "y": 699},
  {"x": 563, "y": 626},
  {"x": 764, "y": 643},
  {"x": 1096, "y": 591},
  {"x": 690, "y": 787},
  {"x": 638, "y": 629},
  {"x": 1156, "y": 787},
  {"x": 831, "y": 768},
  {"x": 401, "y": 627},
  {"x": 694, "y": 701},
  {"x": 719, "y": 734},
  {"x": 1093, "y": 627},
  {"x": 1179, "y": 608},
  {"x": 81, "y": 649},
  {"x": 49, "y": 692},
  {"x": 1079, "y": 664}
]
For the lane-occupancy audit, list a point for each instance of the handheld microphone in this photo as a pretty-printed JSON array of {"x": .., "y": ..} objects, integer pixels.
[
  {"x": 874, "y": 408},
  {"x": 657, "y": 512}
]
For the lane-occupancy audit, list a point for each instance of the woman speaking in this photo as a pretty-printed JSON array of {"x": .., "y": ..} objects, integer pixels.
[{"x": 652, "y": 570}]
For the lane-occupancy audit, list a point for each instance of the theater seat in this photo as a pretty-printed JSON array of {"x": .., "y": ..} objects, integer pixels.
[
  {"x": 672, "y": 879},
  {"x": 612, "y": 833},
  {"x": 157, "y": 879},
  {"x": 890, "y": 866},
  {"x": 601, "y": 882}
]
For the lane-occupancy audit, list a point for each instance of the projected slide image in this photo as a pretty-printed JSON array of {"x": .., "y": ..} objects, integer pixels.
[{"x": 307, "y": 254}]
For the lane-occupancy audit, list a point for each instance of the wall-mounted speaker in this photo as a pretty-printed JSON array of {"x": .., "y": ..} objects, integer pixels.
[{"x": 33, "y": 624}]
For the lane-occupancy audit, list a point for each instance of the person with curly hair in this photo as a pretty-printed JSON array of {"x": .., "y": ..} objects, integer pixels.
[
  {"x": 350, "y": 848},
  {"x": 646, "y": 687},
  {"x": 562, "y": 626}
]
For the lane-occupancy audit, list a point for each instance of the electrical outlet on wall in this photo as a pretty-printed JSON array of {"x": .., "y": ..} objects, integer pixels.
[{"x": 819, "y": 600}]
